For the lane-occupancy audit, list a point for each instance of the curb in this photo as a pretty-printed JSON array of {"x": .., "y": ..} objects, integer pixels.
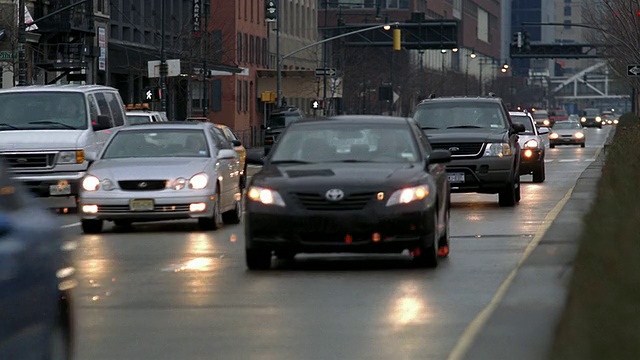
[{"x": 523, "y": 326}]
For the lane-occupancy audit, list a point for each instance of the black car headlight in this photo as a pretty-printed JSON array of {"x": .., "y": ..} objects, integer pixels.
[
  {"x": 407, "y": 195},
  {"x": 531, "y": 144},
  {"x": 265, "y": 196}
]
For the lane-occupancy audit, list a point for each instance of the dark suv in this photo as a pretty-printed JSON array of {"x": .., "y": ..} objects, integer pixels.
[
  {"x": 277, "y": 122},
  {"x": 482, "y": 140}
]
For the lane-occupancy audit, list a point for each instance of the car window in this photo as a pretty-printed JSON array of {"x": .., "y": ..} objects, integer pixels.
[
  {"x": 564, "y": 125},
  {"x": 526, "y": 121},
  {"x": 43, "y": 110},
  {"x": 229, "y": 134},
  {"x": 116, "y": 108},
  {"x": 461, "y": 114},
  {"x": 93, "y": 109},
  {"x": 138, "y": 119},
  {"x": 146, "y": 143},
  {"x": 220, "y": 139},
  {"x": 103, "y": 105}
]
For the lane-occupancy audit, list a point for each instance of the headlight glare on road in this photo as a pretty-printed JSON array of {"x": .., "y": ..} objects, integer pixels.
[
  {"x": 531, "y": 144},
  {"x": 179, "y": 184},
  {"x": 553, "y": 136},
  {"x": 407, "y": 195},
  {"x": 265, "y": 196},
  {"x": 579, "y": 135},
  {"x": 90, "y": 183},
  {"x": 199, "y": 181},
  {"x": 498, "y": 149},
  {"x": 107, "y": 185}
]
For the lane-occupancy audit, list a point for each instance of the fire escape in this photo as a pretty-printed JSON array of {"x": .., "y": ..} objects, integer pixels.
[{"x": 66, "y": 45}]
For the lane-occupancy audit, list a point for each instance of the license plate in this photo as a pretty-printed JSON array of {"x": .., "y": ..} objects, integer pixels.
[
  {"x": 456, "y": 177},
  {"x": 60, "y": 189},
  {"x": 141, "y": 205}
]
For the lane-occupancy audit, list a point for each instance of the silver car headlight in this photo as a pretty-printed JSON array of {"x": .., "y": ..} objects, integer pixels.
[
  {"x": 265, "y": 196},
  {"x": 498, "y": 149},
  {"x": 107, "y": 185},
  {"x": 199, "y": 181},
  {"x": 90, "y": 183},
  {"x": 407, "y": 195},
  {"x": 178, "y": 184},
  {"x": 531, "y": 144},
  {"x": 71, "y": 157}
]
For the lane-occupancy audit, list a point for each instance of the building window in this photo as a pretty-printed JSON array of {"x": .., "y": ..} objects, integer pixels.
[
  {"x": 245, "y": 10},
  {"x": 567, "y": 24},
  {"x": 252, "y": 6},
  {"x": 239, "y": 9},
  {"x": 100, "y": 6},
  {"x": 567, "y": 11},
  {"x": 251, "y": 49},
  {"x": 483, "y": 25},
  {"x": 567, "y": 1},
  {"x": 245, "y": 100},
  {"x": 239, "y": 95},
  {"x": 196, "y": 95},
  {"x": 239, "y": 45},
  {"x": 245, "y": 46}
]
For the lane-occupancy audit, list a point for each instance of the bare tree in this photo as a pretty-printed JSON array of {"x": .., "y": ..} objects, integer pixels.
[{"x": 10, "y": 41}]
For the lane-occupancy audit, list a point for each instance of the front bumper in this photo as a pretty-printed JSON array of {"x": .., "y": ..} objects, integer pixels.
[
  {"x": 118, "y": 206},
  {"x": 532, "y": 162},
  {"x": 486, "y": 175},
  {"x": 566, "y": 141},
  {"x": 366, "y": 231}
]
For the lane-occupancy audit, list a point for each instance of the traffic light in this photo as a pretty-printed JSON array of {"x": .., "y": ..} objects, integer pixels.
[
  {"x": 517, "y": 39},
  {"x": 526, "y": 41},
  {"x": 397, "y": 39},
  {"x": 317, "y": 104}
]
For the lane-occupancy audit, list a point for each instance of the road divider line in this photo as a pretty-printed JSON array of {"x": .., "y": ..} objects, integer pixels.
[
  {"x": 70, "y": 225},
  {"x": 473, "y": 329}
]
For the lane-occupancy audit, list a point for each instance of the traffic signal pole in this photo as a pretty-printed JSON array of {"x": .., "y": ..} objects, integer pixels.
[{"x": 163, "y": 59}]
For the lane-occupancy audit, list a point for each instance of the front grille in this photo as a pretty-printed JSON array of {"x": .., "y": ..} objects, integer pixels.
[
  {"x": 460, "y": 149},
  {"x": 313, "y": 201},
  {"x": 142, "y": 185},
  {"x": 120, "y": 209},
  {"x": 30, "y": 160},
  {"x": 567, "y": 136}
]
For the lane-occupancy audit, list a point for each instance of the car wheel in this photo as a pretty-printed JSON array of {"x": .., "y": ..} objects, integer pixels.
[
  {"x": 539, "y": 173},
  {"x": 582, "y": 145},
  {"x": 507, "y": 197},
  {"x": 243, "y": 178},
  {"x": 552, "y": 146},
  {"x": 426, "y": 256},
  {"x": 258, "y": 259},
  {"x": 215, "y": 221},
  {"x": 122, "y": 223},
  {"x": 443, "y": 243},
  {"x": 285, "y": 254},
  {"x": 92, "y": 226},
  {"x": 233, "y": 216}
]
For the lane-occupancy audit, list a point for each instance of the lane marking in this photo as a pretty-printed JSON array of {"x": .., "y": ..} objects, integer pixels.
[
  {"x": 471, "y": 332},
  {"x": 568, "y": 160},
  {"x": 70, "y": 225}
]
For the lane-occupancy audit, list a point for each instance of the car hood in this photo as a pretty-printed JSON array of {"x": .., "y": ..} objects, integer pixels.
[
  {"x": 323, "y": 176},
  {"x": 29, "y": 140},
  {"x": 440, "y": 136},
  {"x": 149, "y": 168}
]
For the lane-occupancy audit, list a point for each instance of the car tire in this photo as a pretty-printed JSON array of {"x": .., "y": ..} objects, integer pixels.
[
  {"x": 233, "y": 216},
  {"x": 444, "y": 241},
  {"x": 507, "y": 196},
  {"x": 552, "y": 146},
  {"x": 286, "y": 255},
  {"x": 243, "y": 178},
  {"x": 427, "y": 256},
  {"x": 582, "y": 145},
  {"x": 539, "y": 173},
  {"x": 215, "y": 221},
  {"x": 122, "y": 223},
  {"x": 91, "y": 226},
  {"x": 258, "y": 259}
]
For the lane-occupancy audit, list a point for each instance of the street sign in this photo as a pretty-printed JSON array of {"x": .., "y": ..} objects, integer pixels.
[
  {"x": 5, "y": 55},
  {"x": 325, "y": 72},
  {"x": 633, "y": 70},
  {"x": 271, "y": 10}
]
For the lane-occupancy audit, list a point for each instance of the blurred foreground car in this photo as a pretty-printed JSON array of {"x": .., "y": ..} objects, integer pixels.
[
  {"x": 36, "y": 279},
  {"x": 567, "y": 133},
  {"x": 163, "y": 171},
  {"x": 532, "y": 146},
  {"x": 386, "y": 194}
]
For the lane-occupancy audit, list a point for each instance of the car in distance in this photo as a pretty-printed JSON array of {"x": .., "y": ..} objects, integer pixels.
[
  {"x": 386, "y": 193},
  {"x": 532, "y": 146},
  {"x": 163, "y": 171},
  {"x": 36, "y": 278},
  {"x": 591, "y": 117},
  {"x": 542, "y": 118},
  {"x": 558, "y": 115},
  {"x": 485, "y": 154},
  {"x": 567, "y": 133},
  {"x": 140, "y": 114},
  {"x": 609, "y": 118},
  {"x": 278, "y": 120}
]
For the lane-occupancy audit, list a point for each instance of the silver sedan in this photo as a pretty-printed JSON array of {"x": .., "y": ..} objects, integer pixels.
[{"x": 163, "y": 171}]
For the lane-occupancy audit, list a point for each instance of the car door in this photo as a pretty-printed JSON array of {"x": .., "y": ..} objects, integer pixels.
[{"x": 227, "y": 169}]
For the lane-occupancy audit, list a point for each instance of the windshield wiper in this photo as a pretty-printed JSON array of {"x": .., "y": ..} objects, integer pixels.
[
  {"x": 429, "y": 128},
  {"x": 47, "y": 122},
  {"x": 464, "y": 127},
  {"x": 290, "y": 162},
  {"x": 355, "y": 161},
  {"x": 9, "y": 126}
]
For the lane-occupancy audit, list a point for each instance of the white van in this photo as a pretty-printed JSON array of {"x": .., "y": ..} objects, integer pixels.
[{"x": 47, "y": 131}]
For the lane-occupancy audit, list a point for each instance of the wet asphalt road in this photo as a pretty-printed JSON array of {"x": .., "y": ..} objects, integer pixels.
[{"x": 169, "y": 291}]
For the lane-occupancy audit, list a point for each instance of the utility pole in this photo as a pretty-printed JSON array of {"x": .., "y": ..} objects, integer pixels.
[
  {"x": 205, "y": 44},
  {"x": 163, "y": 59},
  {"x": 22, "y": 39},
  {"x": 278, "y": 59},
  {"x": 325, "y": 62}
]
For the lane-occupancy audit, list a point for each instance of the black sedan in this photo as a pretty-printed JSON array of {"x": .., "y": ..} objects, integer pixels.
[{"x": 352, "y": 184}]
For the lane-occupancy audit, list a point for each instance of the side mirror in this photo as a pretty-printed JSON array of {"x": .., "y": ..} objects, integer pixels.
[
  {"x": 91, "y": 156},
  {"x": 236, "y": 143},
  {"x": 227, "y": 154},
  {"x": 440, "y": 157},
  {"x": 254, "y": 158},
  {"x": 518, "y": 128},
  {"x": 543, "y": 130},
  {"x": 103, "y": 122}
]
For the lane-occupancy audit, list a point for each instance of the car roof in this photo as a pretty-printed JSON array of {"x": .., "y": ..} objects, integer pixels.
[
  {"x": 480, "y": 99},
  {"x": 168, "y": 125},
  {"x": 363, "y": 119},
  {"x": 519, "y": 113},
  {"x": 141, "y": 112},
  {"x": 58, "y": 88}
]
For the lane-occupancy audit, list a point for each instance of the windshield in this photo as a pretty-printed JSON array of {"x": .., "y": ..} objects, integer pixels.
[
  {"x": 43, "y": 110},
  {"x": 540, "y": 115},
  {"x": 591, "y": 112},
  {"x": 282, "y": 120},
  {"x": 524, "y": 120},
  {"x": 138, "y": 119},
  {"x": 446, "y": 115},
  {"x": 560, "y": 113},
  {"x": 347, "y": 142},
  {"x": 149, "y": 143},
  {"x": 566, "y": 125}
]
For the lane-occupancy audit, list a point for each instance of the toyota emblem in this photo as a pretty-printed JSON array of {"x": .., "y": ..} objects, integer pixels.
[
  {"x": 454, "y": 149},
  {"x": 334, "y": 195},
  {"x": 142, "y": 185}
]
